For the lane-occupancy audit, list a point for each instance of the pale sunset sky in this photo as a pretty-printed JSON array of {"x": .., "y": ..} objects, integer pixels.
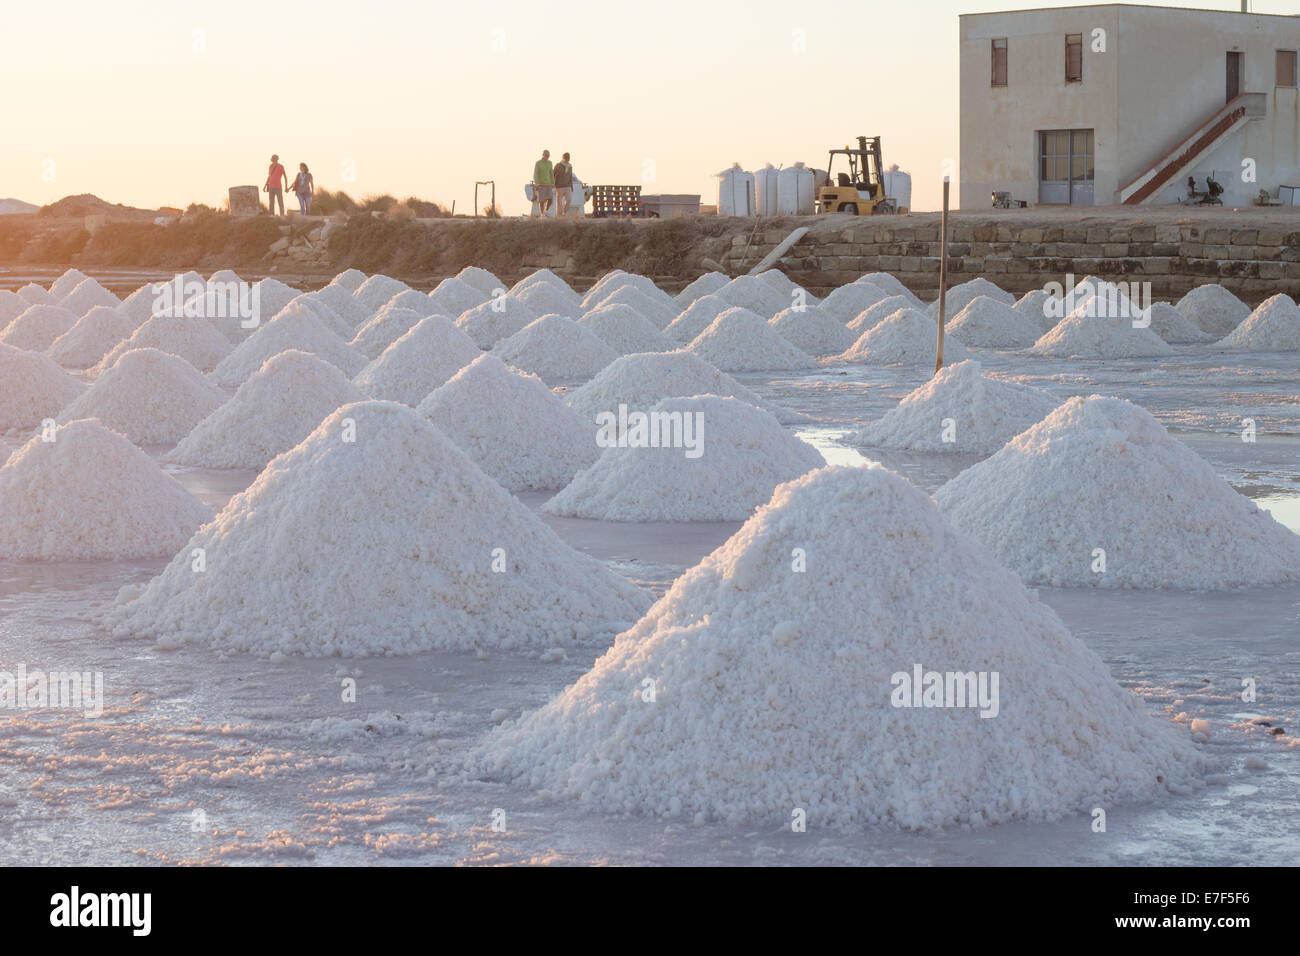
[{"x": 155, "y": 103}]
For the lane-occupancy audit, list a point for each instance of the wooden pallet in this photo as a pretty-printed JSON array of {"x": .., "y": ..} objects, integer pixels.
[{"x": 616, "y": 201}]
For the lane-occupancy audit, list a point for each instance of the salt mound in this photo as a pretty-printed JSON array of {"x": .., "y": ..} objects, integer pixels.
[
  {"x": 547, "y": 299},
  {"x": 95, "y": 333},
  {"x": 32, "y": 388},
  {"x": 1093, "y": 331},
  {"x": 1033, "y": 305},
  {"x": 658, "y": 312},
  {"x": 377, "y": 290},
  {"x": 907, "y": 337},
  {"x": 89, "y": 494},
  {"x": 752, "y": 293},
  {"x": 273, "y": 295},
  {"x": 350, "y": 280},
  {"x": 495, "y": 320},
  {"x": 408, "y": 561},
  {"x": 740, "y": 341},
  {"x": 962, "y": 295},
  {"x": 35, "y": 294},
  {"x": 890, "y": 285},
  {"x": 556, "y": 349},
  {"x": 408, "y": 299},
  {"x": 191, "y": 338},
  {"x": 852, "y": 300},
  {"x": 975, "y": 413},
  {"x": 37, "y": 328},
  {"x": 232, "y": 312},
  {"x": 611, "y": 282},
  {"x": 139, "y": 305},
  {"x": 868, "y": 319},
  {"x": 418, "y": 362},
  {"x": 223, "y": 277},
  {"x": 307, "y": 303},
  {"x": 722, "y": 460},
  {"x": 1100, "y": 473},
  {"x": 149, "y": 396},
  {"x": 279, "y": 406},
  {"x": 512, "y": 426},
  {"x": 793, "y": 291},
  {"x": 454, "y": 296},
  {"x": 777, "y": 690},
  {"x": 988, "y": 324},
  {"x": 696, "y": 318},
  {"x": 340, "y": 301},
  {"x": 1213, "y": 308},
  {"x": 542, "y": 277},
  {"x": 64, "y": 284},
  {"x": 640, "y": 381},
  {"x": 1170, "y": 324},
  {"x": 706, "y": 284},
  {"x": 482, "y": 280},
  {"x": 814, "y": 330},
  {"x": 1273, "y": 327},
  {"x": 387, "y": 326},
  {"x": 289, "y": 330},
  {"x": 625, "y": 330},
  {"x": 12, "y": 305}
]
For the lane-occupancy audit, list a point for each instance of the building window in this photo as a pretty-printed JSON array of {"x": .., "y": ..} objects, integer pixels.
[
  {"x": 1286, "y": 68},
  {"x": 1000, "y": 62},
  {"x": 1073, "y": 57}
]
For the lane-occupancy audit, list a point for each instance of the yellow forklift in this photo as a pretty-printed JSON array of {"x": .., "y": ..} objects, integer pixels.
[{"x": 860, "y": 191}]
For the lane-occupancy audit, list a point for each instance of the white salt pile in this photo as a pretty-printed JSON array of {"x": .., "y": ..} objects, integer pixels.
[
  {"x": 960, "y": 296},
  {"x": 418, "y": 362},
  {"x": 289, "y": 330},
  {"x": 1273, "y": 327},
  {"x": 890, "y": 285},
  {"x": 907, "y": 337},
  {"x": 738, "y": 340},
  {"x": 793, "y": 292},
  {"x": 279, "y": 406},
  {"x": 625, "y": 330},
  {"x": 409, "y": 299},
  {"x": 706, "y": 284},
  {"x": 37, "y": 328},
  {"x": 1098, "y": 495},
  {"x": 387, "y": 326},
  {"x": 548, "y": 300},
  {"x": 95, "y": 333},
  {"x": 659, "y": 311},
  {"x": 958, "y": 410},
  {"x": 224, "y": 277},
  {"x": 512, "y": 426},
  {"x": 32, "y": 388},
  {"x": 352, "y": 312},
  {"x": 87, "y": 295},
  {"x": 232, "y": 312},
  {"x": 12, "y": 305},
  {"x": 868, "y": 319},
  {"x": 272, "y": 296},
  {"x": 814, "y": 330},
  {"x": 193, "y": 339},
  {"x": 703, "y": 458},
  {"x": 149, "y": 396},
  {"x": 1172, "y": 326},
  {"x": 640, "y": 381},
  {"x": 454, "y": 296},
  {"x": 1096, "y": 330},
  {"x": 495, "y": 320},
  {"x": 139, "y": 305},
  {"x": 307, "y": 303},
  {"x": 852, "y": 300},
  {"x": 424, "y": 551},
  {"x": 556, "y": 349},
  {"x": 482, "y": 280},
  {"x": 378, "y": 289},
  {"x": 543, "y": 277},
  {"x": 1213, "y": 308},
  {"x": 989, "y": 324},
  {"x": 350, "y": 280},
  {"x": 64, "y": 284},
  {"x": 89, "y": 494},
  {"x": 696, "y": 317},
  {"x": 1034, "y": 305},
  {"x": 610, "y": 282},
  {"x": 752, "y": 293},
  {"x": 36, "y": 294},
  {"x": 775, "y": 689}
]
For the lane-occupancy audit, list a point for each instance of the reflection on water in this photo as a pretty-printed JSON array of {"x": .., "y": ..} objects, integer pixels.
[{"x": 1285, "y": 508}]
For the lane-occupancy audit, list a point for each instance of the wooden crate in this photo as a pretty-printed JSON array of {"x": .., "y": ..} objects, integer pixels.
[{"x": 616, "y": 201}]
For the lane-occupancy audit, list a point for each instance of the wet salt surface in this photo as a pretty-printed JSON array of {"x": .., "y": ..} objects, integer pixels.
[{"x": 207, "y": 758}]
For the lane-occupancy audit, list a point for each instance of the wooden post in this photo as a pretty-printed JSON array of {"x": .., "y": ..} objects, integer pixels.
[{"x": 943, "y": 277}]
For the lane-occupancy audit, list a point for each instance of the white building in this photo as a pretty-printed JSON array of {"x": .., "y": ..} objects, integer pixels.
[{"x": 1115, "y": 103}]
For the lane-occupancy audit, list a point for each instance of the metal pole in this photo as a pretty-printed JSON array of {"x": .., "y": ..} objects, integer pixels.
[{"x": 943, "y": 277}]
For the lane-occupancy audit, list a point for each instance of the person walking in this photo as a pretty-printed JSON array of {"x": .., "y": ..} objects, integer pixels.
[
  {"x": 544, "y": 182},
  {"x": 563, "y": 175},
  {"x": 303, "y": 187},
  {"x": 276, "y": 180}
]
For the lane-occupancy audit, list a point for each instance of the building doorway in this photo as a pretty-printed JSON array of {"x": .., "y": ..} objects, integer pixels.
[
  {"x": 1065, "y": 167},
  {"x": 1234, "y": 76}
]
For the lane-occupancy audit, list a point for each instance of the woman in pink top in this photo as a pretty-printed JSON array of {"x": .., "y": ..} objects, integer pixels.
[{"x": 276, "y": 180}]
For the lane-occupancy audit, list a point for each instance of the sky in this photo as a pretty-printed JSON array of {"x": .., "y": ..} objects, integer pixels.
[{"x": 166, "y": 103}]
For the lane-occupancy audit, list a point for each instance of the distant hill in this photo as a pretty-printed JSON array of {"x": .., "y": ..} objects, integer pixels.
[
  {"x": 90, "y": 205},
  {"x": 16, "y": 207}
]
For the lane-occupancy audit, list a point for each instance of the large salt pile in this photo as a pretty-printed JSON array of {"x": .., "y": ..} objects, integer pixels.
[
  {"x": 62, "y": 286},
  {"x": 482, "y": 280},
  {"x": 1213, "y": 308},
  {"x": 288, "y": 330},
  {"x": 639, "y": 381},
  {"x": 352, "y": 312},
  {"x": 272, "y": 296},
  {"x": 1273, "y": 327},
  {"x": 279, "y": 406},
  {"x": 495, "y": 320},
  {"x": 548, "y": 300},
  {"x": 610, "y": 282},
  {"x": 36, "y": 294},
  {"x": 695, "y": 318},
  {"x": 1097, "y": 330},
  {"x": 309, "y": 304},
  {"x": 350, "y": 280},
  {"x": 95, "y": 333},
  {"x": 544, "y": 277},
  {"x": 776, "y": 690},
  {"x": 223, "y": 277},
  {"x": 37, "y": 328},
  {"x": 385, "y": 328},
  {"x": 868, "y": 319},
  {"x": 1176, "y": 329},
  {"x": 657, "y": 310},
  {"x": 149, "y": 396},
  {"x": 706, "y": 284},
  {"x": 960, "y": 296},
  {"x": 989, "y": 324},
  {"x": 625, "y": 330},
  {"x": 139, "y": 305},
  {"x": 958, "y": 410},
  {"x": 703, "y": 458},
  {"x": 752, "y": 293},
  {"x": 87, "y": 295},
  {"x": 738, "y": 340},
  {"x": 89, "y": 494},
  {"x": 556, "y": 349},
  {"x": 891, "y": 286},
  {"x": 793, "y": 291},
  {"x": 852, "y": 300},
  {"x": 32, "y": 388},
  {"x": 408, "y": 299},
  {"x": 454, "y": 296},
  {"x": 12, "y": 305},
  {"x": 814, "y": 330},
  {"x": 421, "y": 550},
  {"x": 1034, "y": 305},
  {"x": 232, "y": 312},
  {"x": 192, "y": 338},
  {"x": 907, "y": 337},
  {"x": 1098, "y": 495},
  {"x": 377, "y": 290},
  {"x": 418, "y": 362},
  {"x": 512, "y": 426}
]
